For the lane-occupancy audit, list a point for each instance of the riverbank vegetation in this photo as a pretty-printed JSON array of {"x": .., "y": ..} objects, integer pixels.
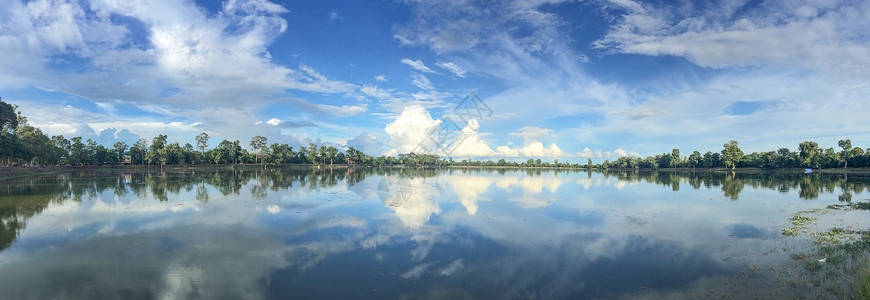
[{"x": 24, "y": 145}]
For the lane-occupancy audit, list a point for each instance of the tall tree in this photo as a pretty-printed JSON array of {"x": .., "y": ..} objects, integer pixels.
[
  {"x": 141, "y": 147},
  {"x": 694, "y": 159},
  {"x": 312, "y": 153},
  {"x": 808, "y": 152},
  {"x": 258, "y": 143},
  {"x": 846, "y": 153},
  {"x": 202, "y": 142},
  {"x": 331, "y": 154},
  {"x": 237, "y": 151},
  {"x": 120, "y": 148},
  {"x": 156, "y": 154},
  {"x": 731, "y": 154},
  {"x": 8, "y": 118},
  {"x": 675, "y": 158}
]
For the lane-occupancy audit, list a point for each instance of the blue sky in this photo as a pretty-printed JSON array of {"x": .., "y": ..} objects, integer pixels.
[{"x": 562, "y": 79}]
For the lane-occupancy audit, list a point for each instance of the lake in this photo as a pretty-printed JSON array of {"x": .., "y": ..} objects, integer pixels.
[{"x": 416, "y": 234}]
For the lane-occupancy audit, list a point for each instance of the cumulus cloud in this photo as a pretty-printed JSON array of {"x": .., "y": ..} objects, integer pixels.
[
  {"x": 415, "y": 130},
  {"x": 381, "y": 78},
  {"x": 367, "y": 143},
  {"x": 188, "y": 57},
  {"x": 410, "y": 128}
]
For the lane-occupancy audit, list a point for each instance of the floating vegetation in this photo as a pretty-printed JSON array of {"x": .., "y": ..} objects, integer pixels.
[
  {"x": 851, "y": 206},
  {"x": 800, "y": 223},
  {"x": 839, "y": 267}
]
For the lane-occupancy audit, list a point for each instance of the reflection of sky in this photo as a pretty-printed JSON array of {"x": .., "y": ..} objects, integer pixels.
[{"x": 566, "y": 235}]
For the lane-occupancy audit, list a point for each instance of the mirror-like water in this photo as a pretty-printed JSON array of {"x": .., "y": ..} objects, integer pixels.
[{"x": 386, "y": 234}]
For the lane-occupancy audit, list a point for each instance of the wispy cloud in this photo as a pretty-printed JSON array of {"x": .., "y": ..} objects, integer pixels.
[
  {"x": 421, "y": 81},
  {"x": 782, "y": 34},
  {"x": 453, "y": 68},
  {"x": 418, "y": 65}
]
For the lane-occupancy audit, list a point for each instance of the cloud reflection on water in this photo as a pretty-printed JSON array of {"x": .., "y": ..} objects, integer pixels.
[{"x": 572, "y": 234}]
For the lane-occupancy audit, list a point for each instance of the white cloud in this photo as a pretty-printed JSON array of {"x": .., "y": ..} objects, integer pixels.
[
  {"x": 414, "y": 128},
  {"x": 381, "y": 78},
  {"x": 783, "y": 34},
  {"x": 334, "y": 16},
  {"x": 532, "y": 132},
  {"x": 367, "y": 143},
  {"x": 421, "y": 82},
  {"x": 376, "y": 92},
  {"x": 453, "y": 68},
  {"x": 471, "y": 144},
  {"x": 410, "y": 128},
  {"x": 274, "y": 122},
  {"x": 418, "y": 65},
  {"x": 190, "y": 58}
]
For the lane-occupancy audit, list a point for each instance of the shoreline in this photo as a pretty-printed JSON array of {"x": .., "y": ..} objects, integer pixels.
[{"x": 7, "y": 173}]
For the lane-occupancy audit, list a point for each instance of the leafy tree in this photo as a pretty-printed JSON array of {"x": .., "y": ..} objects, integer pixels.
[
  {"x": 138, "y": 150},
  {"x": 188, "y": 154},
  {"x": 38, "y": 148},
  {"x": 731, "y": 154},
  {"x": 236, "y": 151},
  {"x": 808, "y": 151},
  {"x": 156, "y": 154},
  {"x": 675, "y": 158},
  {"x": 846, "y": 153},
  {"x": 331, "y": 154},
  {"x": 172, "y": 154},
  {"x": 258, "y": 143},
  {"x": 311, "y": 155},
  {"x": 354, "y": 156},
  {"x": 120, "y": 148},
  {"x": 225, "y": 153},
  {"x": 202, "y": 142},
  {"x": 78, "y": 152},
  {"x": 694, "y": 159}
]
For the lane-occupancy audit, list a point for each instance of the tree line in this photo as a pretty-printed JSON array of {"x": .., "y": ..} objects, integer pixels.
[
  {"x": 25, "y": 145},
  {"x": 809, "y": 155}
]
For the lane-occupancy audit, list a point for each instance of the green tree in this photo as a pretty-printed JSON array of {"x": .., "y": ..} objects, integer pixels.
[
  {"x": 38, "y": 148},
  {"x": 311, "y": 155},
  {"x": 731, "y": 154},
  {"x": 8, "y": 117},
  {"x": 675, "y": 158},
  {"x": 224, "y": 153},
  {"x": 202, "y": 143},
  {"x": 846, "y": 153},
  {"x": 138, "y": 150},
  {"x": 156, "y": 153},
  {"x": 77, "y": 151},
  {"x": 236, "y": 151},
  {"x": 694, "y": 159},
  {"x": 355, "y": 156},
  {"x": 331, "y": 154},
  {"x": 808, "y": 153},
  {"x": 120, "y": 150},
  {"x": 258, "y": 143},
  {"x": 9, "y": 145}
]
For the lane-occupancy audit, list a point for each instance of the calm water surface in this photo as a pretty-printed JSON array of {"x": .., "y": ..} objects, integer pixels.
[{"x": 388, "y": 234}]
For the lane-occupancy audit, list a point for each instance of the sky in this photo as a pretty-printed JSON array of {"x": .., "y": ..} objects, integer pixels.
[{"x": 568, "y": 80}]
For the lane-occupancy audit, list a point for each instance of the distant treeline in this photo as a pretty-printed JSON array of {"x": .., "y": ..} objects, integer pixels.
[{"x": 24, "y": 145}]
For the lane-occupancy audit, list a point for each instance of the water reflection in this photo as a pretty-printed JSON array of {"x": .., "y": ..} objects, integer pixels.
[{"x": 392, "y": 233}]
